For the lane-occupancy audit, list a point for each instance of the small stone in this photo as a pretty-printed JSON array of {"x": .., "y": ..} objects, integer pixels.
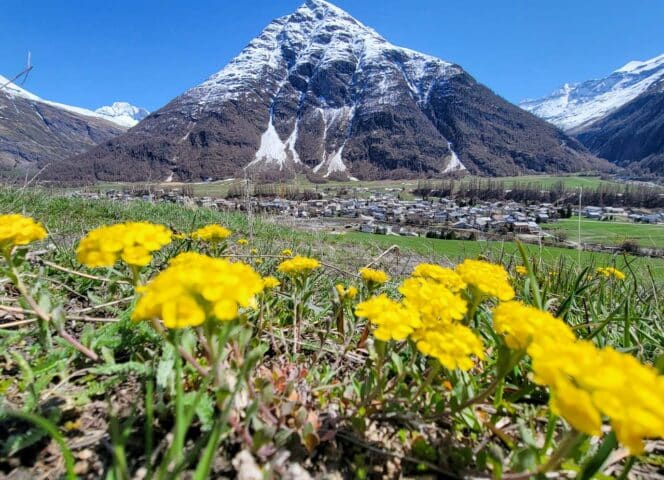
[
  {"x": 81, "y": 468},
  {"x": 84, "y": 454}
]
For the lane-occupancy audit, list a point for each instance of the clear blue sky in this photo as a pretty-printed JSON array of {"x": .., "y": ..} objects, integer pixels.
[{"x": 91, "y": 52}]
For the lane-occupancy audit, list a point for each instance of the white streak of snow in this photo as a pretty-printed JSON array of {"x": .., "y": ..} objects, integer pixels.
[{"x": 454, "y": 165}]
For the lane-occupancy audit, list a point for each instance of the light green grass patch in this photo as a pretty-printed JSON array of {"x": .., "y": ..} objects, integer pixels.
[{"x": 611, "y": 233}]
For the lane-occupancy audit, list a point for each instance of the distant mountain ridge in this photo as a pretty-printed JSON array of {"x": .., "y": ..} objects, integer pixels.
[
  {"x": 34, "y": 131},
  {"x": 577, "y": 105},
  {"x": 319, "y": 92},
  {"x": 633, "y": 135}
]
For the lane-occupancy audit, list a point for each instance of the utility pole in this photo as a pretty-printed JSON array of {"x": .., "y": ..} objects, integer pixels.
[
  {"x": 579, "y": 213},
  {"x": 24, "y": 73}
]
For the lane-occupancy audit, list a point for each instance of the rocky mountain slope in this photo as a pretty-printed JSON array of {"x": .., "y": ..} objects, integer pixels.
[
  {"x": 35, "y": 132},
  {"x": 632, "y": 135},
  {"x": 317, "y": 91},
  {"x": 575, "y": 106}
]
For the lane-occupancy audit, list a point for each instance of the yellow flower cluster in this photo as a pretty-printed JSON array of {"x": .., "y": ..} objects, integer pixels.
[
  {"x": 609, "y": 272},
  {"x": 394, "y": 320},
  {"x": 287, "y": 252},
  {"x": 346, "y": 293},
  {"x": 488, "y": 278},
  {"x": 445, "y": 276},
  {"x": 211, "y": 233},
  {"x": 17, "y": 230},
  {"x": 429, "y": 313},
  {"x": 242, "y": 242},
  {"x": 521, "y": 325},
  {"x": 521, "y": 270},
  {"x": 133, "y": 242},
  {"x": 434, "y": 302},
  {"x": 195, "y": 288},
  {"x": 373, "y": 276},
  {"x": 586, "y": 382},
  {"x": 270, "y": 282},
  {"x": 298, "y": 266},
  {"x": 453, "y": 346}
]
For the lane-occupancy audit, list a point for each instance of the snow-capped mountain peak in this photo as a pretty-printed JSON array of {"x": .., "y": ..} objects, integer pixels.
[
  {"x": 318, "y": 33},
  {"x": 123, "y": 113},
  {"x": 636, "y": 66},
  {"x": 576, "y": 105},
  {"x": 319, "y": 92}
]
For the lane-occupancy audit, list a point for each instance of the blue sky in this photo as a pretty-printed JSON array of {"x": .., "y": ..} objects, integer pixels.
[{"x": 91, "y": 52}]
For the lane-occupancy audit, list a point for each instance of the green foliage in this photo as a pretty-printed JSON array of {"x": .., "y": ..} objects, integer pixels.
[{"x": 183, "y": 403}]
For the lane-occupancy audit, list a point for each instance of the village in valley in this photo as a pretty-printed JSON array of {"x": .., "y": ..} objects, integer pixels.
[{"x": 396, "y": 211}]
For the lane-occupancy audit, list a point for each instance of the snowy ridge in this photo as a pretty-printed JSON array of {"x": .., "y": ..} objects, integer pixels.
[
  {"x": 123, "y": 113},
  {"x": 574, "y": 106},
  {"x": 317, "y": 33},
  {"x": 118, "y": 113}
]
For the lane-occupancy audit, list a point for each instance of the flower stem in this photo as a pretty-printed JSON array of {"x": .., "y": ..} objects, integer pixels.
[
  {"x": 44, "y": 317},
  {"x": 569, "y": 441},
  {"x": 511, "y": 362}
]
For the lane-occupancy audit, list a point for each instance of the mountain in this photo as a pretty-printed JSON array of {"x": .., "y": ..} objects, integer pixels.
[
  {"x": 633, "y": 135},
  {"x": 34, "y": 131},
  {"x": 319, "y": 92},
  {"x": 575, "y": 106},
  {"x": 123, "y": 113}
]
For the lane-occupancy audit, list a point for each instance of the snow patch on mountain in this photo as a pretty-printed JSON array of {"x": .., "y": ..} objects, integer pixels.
[
  {"x": 454, "y": 164},
  {"x": 576, "y": 105},
  {"x": 272, "y": 149},
  {"x": 123, "y": 113},
  {"x": 332, "y": 163}
]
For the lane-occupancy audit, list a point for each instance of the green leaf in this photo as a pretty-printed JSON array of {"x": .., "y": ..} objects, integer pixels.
[{"x": 594, "y": 464}]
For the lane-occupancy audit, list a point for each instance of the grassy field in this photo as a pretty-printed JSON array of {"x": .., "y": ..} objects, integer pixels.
[
  {"x": 611, "y": 233},
  {"x": 221, "y": 188},
  {"x": 69, "y": 218},
  {"x": 455, "y": 250}
]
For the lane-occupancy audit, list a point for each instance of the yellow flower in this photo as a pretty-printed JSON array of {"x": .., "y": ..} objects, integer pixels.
[
  {"x": 609, "y": 272},
  {"x": 434, "y": 302},
  {"x": 346, "y": 293},
  {"x": 445, "y": 276},
  {"x": 394, "y": 320},
  {"x": 254, "y": 251},
  {"x": 521, "y": 270},
  {"x": 243, "y": 241},
  {"x": 17, "y": 230},
  {"x": 576, "y": 406},
  {"x": 585, "y": 380},
  {"x": 489, "y": 279},
  {"x": 521, "y": 324},
  {"x": 270, "y": 282},
  {"x": 453, "y": 345},
  {"x": 298, "y": 266},
  {"x": 195, "y": 288},
  {"x": 374, "y": 277},
  {"x": 133, "y": 242},
  {"x": 211, "y": 233},
  {"x": 287, "y": 252},
  {"x": 429, "y": 314}
]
